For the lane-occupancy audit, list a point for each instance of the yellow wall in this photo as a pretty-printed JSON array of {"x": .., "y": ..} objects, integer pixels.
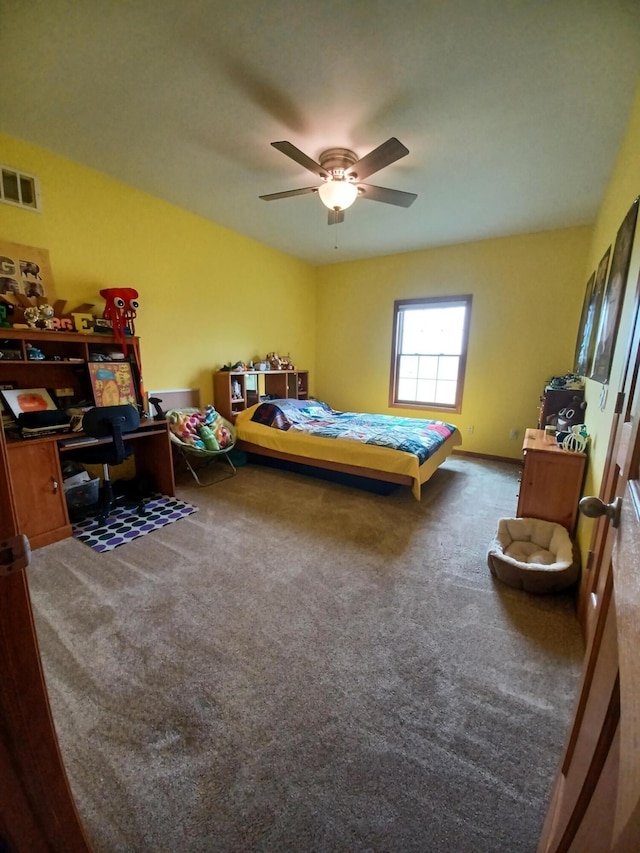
[
  {"x": 623, "y": 188},
  {"x": 208, "y": 295},
  {"x": 527, "y": 298}
]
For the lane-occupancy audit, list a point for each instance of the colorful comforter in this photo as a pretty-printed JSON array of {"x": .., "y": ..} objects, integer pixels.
[{"x": 419, "y": 437}]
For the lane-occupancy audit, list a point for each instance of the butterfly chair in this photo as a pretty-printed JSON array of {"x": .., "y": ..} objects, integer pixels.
[
  {"x": 108, "y": 422},
  {"x": 189, "y": 453}
]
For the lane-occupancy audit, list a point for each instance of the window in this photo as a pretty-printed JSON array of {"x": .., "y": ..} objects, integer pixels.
[
  {"x": 428, "y": 359},
  {"x": 18, "y": 188}
]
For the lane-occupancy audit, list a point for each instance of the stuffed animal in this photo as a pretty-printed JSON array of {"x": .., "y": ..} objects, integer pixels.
[
  {"x": 572, "y": 413},
  {"x": 184, "y": 425},
  {"x": 224, "y": 436},
  {"x": 569, "y": 416},
  {"x": 205, "y": 429},
  {"x": 208, "y": 438},
  {"x": 121, "y": 307}
]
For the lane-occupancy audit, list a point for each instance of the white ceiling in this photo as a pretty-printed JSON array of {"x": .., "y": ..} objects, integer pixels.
[{"x": 512, "y": 110}]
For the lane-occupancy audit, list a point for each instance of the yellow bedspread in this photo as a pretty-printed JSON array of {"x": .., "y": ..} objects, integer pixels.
[{"x": 345, "y": 452}]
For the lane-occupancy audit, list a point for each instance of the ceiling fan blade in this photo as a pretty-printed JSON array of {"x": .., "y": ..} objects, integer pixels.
[
  {"x": 335, "y": 217},
  {"x": 301, "y": 158},
  {"x": 288, "y": 193},
  {"x": 397, "y": 197},
  {"x": 382, "y": 156}
]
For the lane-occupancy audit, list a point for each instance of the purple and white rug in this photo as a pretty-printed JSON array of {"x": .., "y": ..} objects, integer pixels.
[{"x": 125, "y": 525}]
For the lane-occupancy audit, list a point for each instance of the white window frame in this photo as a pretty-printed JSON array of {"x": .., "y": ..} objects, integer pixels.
[
  {"x": 401, "y": 307},
  {"x": 20, "y": 177}
]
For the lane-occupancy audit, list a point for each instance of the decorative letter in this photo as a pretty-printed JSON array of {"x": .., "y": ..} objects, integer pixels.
[{"x": 83, "y": 323}]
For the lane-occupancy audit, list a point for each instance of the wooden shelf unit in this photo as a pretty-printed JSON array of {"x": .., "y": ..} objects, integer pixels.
[
  {"x": 65, "y": 362},
  {"x": 551, "y": 483},
  {"x": 237, "y": 390}
]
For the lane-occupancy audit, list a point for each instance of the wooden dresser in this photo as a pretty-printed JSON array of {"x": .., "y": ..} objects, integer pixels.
[{"x": 551, "y": 482}]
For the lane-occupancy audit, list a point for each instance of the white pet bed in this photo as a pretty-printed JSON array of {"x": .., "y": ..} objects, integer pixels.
[{"x": 534, "y": 555}]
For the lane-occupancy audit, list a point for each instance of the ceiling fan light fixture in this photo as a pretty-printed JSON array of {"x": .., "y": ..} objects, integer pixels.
[
  {"x": 338, "y": 194},
  {"x": 342, "y": 173}
]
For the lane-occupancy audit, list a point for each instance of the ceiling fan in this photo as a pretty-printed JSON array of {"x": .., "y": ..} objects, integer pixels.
[{"x": 342, "y": 175}]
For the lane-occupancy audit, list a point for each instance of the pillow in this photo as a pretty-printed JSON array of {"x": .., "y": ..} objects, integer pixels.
[
  {"x": 281, "y": 414},
  {"x": 292, "y": 403}
]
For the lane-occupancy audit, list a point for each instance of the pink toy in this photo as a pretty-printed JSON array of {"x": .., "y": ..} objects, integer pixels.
[{"x": 223, "y": 435}]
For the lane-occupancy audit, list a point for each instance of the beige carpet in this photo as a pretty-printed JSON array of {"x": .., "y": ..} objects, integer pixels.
[{"x": 303, "y": 666}]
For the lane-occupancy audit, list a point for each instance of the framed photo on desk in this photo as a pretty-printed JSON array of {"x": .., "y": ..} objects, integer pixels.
[
  {"x": 19, "y": 401},
  {"x": 112, "y": 383}
]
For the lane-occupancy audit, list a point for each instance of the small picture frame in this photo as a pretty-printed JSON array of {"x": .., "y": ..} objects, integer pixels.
[
  {"x": 4, "y": 415},
  {"x": 20, "y": 401}
]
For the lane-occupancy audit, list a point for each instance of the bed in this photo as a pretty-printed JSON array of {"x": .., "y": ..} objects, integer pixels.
[{"x": 405, "y": 451}]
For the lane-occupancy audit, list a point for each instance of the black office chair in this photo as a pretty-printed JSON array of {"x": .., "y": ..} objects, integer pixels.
[{"x": 107, "y": 422}]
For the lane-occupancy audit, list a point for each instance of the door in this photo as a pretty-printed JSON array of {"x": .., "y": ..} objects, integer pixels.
[
  {"x": 37, "y": 811},
  {"x": 595, "y": 806}
]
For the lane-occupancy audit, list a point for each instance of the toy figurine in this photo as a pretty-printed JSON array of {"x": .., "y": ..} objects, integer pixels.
[
  {"x": 5, "y": 310},
  {"x": 32, "y": 315},
  {"x": 33, "y": 353},
  {"x": 46, "y": 315}
]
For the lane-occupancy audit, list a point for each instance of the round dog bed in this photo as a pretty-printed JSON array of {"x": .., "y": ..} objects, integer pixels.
[{"x": 534, "y": 555}]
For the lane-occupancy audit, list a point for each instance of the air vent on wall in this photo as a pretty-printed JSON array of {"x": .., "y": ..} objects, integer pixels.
[{"x": 19, "y": 189}]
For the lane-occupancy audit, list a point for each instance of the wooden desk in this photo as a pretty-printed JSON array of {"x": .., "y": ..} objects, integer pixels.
[{"x": 35, "y": 477}]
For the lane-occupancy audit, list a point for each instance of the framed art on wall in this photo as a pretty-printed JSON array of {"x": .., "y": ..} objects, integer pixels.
[
  {"x": 587, "y": 345},
  {"x": 609, "y": 319},
  {"x": 25, "y": 271},
  {"x": 112, "y": 383},
  {"x": 581, "y": 360}
]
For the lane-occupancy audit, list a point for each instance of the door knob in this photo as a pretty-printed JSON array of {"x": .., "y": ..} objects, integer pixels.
[{"x": 593, "y": 507}]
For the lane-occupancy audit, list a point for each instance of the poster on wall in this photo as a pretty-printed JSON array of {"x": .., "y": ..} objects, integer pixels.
[
  {"x": 609, "y": 318},
  {"x": 112, "y": 383},
  {"x": 25, "y": 271}
]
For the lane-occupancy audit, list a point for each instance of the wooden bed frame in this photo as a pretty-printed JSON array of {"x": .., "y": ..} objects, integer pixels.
[
  {"x": 190, "y": 397},
  {"x": 351, "y": 470}
]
